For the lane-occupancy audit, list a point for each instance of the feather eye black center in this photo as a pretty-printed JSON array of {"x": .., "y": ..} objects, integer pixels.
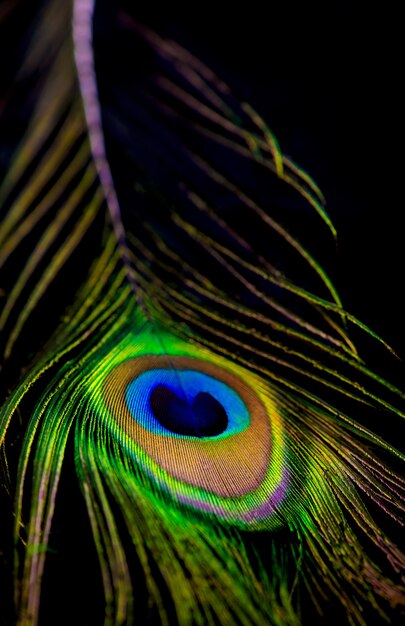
[{"x": 204, "y": 416}]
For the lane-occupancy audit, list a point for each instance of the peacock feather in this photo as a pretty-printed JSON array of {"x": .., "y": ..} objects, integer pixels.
[{"x": 171, "y": 341}]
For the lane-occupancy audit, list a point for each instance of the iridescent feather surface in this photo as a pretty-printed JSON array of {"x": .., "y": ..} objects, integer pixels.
[{"x": 184, "y": 395}]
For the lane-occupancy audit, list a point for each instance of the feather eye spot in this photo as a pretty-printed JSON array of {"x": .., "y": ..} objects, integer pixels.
[{"x": 195, "y": 427}]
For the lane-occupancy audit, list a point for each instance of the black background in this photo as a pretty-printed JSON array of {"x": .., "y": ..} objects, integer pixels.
[{"x": 327, "y": 81}]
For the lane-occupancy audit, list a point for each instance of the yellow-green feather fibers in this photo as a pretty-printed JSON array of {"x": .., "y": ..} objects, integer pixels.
[{"x": 201, "y": 558}]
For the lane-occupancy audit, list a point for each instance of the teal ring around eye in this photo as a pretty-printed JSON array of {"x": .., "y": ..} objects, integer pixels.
[{"x": 186, "y": 383}]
